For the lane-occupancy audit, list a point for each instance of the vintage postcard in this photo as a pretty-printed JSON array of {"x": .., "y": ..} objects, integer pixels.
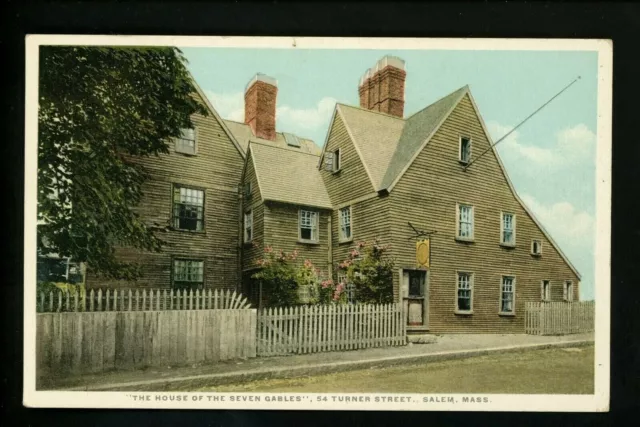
[{"x": 317, "y": 223}]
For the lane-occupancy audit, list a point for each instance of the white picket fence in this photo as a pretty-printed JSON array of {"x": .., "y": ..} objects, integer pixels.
[
  {"x": 559, "y": 318},
  {"x": 139, "y": 300},
  {"x": 319, "y": 328}
]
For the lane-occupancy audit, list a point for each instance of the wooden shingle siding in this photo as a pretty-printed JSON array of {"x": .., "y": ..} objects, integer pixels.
[
  {"x": 251, "y": 252},
  {"x": 216, "y": 168},
  {"x": 281, "y": 232},
  {"x": 369, "y": 220},
  {"x": 352, "y": 181},
  {"x": 427, "y": 195}
]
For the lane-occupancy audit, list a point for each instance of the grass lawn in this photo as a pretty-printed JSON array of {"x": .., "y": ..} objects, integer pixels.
[{"x": 552, "y": 371}]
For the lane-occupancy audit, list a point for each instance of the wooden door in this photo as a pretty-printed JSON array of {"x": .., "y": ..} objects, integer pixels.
[{"x": 415, "y": 297}]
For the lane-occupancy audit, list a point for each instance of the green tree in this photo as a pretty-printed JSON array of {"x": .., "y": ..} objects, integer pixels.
[
  {"x": 100, "y": 108},
  {"x": 370, "y": 269}
]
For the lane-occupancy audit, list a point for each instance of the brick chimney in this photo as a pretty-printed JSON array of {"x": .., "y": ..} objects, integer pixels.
[
  {"x": 260, "y": 106},
  {"x": 382, "y": 88}
]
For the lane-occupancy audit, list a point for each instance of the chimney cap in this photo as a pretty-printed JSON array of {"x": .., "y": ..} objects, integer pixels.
[
  {"x": 365, "y": 76},
  {"x": 391, "y": 60},
  {"x": 259, "y": 77}
]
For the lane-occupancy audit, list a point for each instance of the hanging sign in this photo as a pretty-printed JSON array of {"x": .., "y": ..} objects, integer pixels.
[{"x": 423, "y": 253}]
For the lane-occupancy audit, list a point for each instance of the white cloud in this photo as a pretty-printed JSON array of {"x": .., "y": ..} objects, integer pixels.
[
  {"x": 231, "y": 107},
  {"x": 571, "y": 146},
  {"x": 568, "y": 225},
  {"x": 309, "y": 118}
]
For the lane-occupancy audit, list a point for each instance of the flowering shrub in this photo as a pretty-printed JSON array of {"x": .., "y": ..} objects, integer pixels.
[
  {"x": 370, "y": 270},
  {"x": 278, "y": 276}
]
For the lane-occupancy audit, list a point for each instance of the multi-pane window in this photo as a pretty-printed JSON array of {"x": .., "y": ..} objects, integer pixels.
[
  {"x": 465, "y": 283},
  {"x": 507, "y": 294},
  {"x": 248, "y": 226},
  {"x": 186, "y": 143},
  {"x": 465, "y": 149},
  {"x": 508, "y": 234},
  {"x": 568, "y": 290},
  {"x": 188, "y": 273},
  {"x": 188, "y": 208},
  {"x": 536, "y": 247},
  {"x": 350, "y": 292},
  {"x": 308, "y": 225},
  {"x": 345, "y": 223},
  {"x": 465, "y": 222},
  {"x": 545, "y": 291}
]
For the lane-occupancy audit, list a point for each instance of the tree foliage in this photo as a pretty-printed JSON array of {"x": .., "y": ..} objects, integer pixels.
[{"x": 101, "y": 108}]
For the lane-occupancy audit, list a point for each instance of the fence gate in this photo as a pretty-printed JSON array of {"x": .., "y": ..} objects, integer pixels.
[{"x": 312, "y": 329}]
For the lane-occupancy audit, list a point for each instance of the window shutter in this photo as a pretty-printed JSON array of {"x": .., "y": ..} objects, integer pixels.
[{"x": 328, "y": 162}]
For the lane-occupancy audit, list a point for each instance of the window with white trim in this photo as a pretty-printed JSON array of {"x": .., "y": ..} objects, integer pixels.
[
  {"x": 344, "y": 217},
  {"x": 248, "y": 226},
  {"x": 508, "y": 229},
  {"x": 536, "y": 247},
  {"x": 545, "y": 290},
  {"x": 308, "y": 223},
  {"x": 186, "y": 143},
  {"x": 464, "y": 300},
  {"x": 188, "y": 208},
  {"x": 465, "y": 150},
  {"x": 464, "y": 222},
  {"x": 507, "y": 294},
  {"x": 188, "y": 273},
  {"x": 568, "y": 290}
]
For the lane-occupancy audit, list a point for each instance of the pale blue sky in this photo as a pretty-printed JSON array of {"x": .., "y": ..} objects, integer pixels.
[{"x": 550, "y": 159}]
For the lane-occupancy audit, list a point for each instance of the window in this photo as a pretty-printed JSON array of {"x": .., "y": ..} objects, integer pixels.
[
  {"x": 248, "y": 226},
  {"x": 247, "y": 191},
  {"x": 507, "y": 295},
  {"x": 465, "y": 150},
  {"x": 186, "y": 143},
  {"x": 350, "y": 290},
  {"x": 536, "y": 247},
  {"x": 188, "y": 273},
  {"x": 345, "y": 223},
  {"x": 568, "y": 290},
  {"x": 332, "y": 161},
  {"x": 188, "y": 208},
  {"x": 336, "y": 160},
  {"x": 308, "y": 226},
  {"x": 508, "y": 229},
  {"x": 545, "y": 291},
  {"x": 465, "y": 222},
  {"x": 464, "y": 293}
]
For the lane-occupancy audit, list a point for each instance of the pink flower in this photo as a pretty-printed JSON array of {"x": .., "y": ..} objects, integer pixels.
[
  {"x": 308, "y": 264},
  {"x": 354, "y": 253},
  {"x": 326, "y": 283},
  {"x": 268, "y": 249}
]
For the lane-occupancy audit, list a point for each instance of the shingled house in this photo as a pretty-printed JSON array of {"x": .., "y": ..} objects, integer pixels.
[{"x": 378, "y": 175}]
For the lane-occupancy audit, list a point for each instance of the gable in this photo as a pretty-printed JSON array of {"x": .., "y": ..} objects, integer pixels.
[
  {"x": 435, "y": 170},
  {"x": 353, "y": 180}
]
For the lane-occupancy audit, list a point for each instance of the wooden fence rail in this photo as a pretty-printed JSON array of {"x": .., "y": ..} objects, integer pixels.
[
  {"x": 319, "y": 328},
  {"x": 559, "y": 318},
  {"x": 77, "y": 343},
  {"x": 139, "y": 300}
]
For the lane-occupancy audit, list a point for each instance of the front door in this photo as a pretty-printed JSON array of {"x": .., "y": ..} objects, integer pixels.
[{"x": 414, "y": 284}]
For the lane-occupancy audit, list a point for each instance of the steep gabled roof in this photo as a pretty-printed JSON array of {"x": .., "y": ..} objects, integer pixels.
[
  {"x": 289, "y": 176},
  {"x": 375, "y": 136},
  {"x": 417, "y": 130},
  {"x": 244, "y": 135},
  {"x": 215, "y": 114}
]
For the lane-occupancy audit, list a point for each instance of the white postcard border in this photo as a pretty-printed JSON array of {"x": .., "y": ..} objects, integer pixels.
[{"x": 597, "y": 402}]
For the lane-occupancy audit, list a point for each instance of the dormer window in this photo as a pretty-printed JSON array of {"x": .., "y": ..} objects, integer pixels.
[
  {"x": 186, "y": 143},
  {"x": 465, "y": 150}
]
